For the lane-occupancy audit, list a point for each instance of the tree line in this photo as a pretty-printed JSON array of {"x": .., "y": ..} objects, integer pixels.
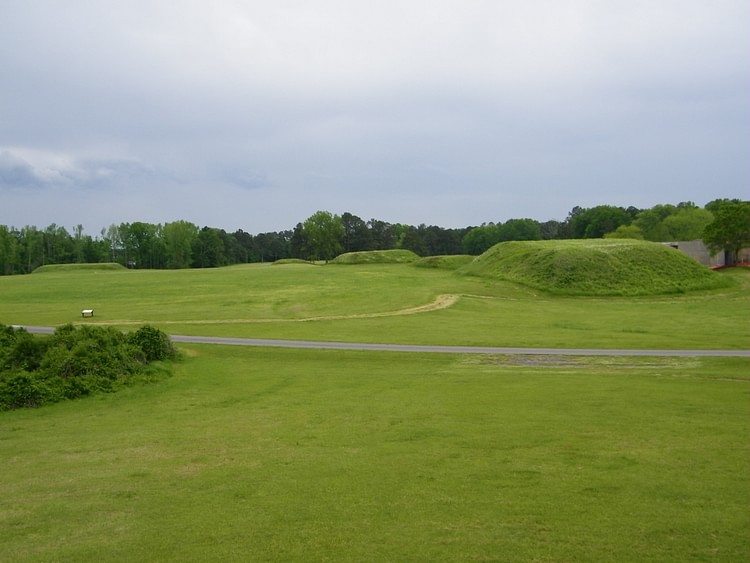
[{"x": 723, "y": 223}]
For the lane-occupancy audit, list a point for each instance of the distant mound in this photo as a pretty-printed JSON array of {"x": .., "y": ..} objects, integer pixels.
[
  {"x": 452, "y": 262},
  {"x": 78, "y": 267},
  {"x": 595, "y": 267},
  {"x": 376, "y": 257},
  {"x": 292, "y": 261}
]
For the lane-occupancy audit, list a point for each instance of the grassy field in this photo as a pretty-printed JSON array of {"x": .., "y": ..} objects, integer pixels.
[
  {"x": 293, "y": 455},
  {"x": 311, "y": 455},
  {"x": 367, "y": 303}
]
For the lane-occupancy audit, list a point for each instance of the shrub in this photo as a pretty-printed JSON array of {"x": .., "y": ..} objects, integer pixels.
[
  {"x": 20, "y": 350},
  {"x": 154, "y": 343},
  {"x": 73, "y": 362},
  {"x": 21, "y": 389}
]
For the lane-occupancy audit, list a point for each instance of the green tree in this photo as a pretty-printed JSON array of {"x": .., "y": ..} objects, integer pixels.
[
  {"x": 143, "y": 244},
  {"x": 209, "y": 250},
  {"x": 519, "y": 229},
  {"x": 113, "y": 241},
  {"x": 551, "y": 230},
  {"x": 324, "y": 234},
  {"x": 95, "y": 250},
  {"x": 79, "y": 244},
  {"x": 598, "y": 221},
  {"x": 243, "y": 247},
  {"x": 688, "y": 223},
  {"x": 8, "y": 251},
  {"x": 298, "y": 243},
  {"x": 626, "y": 231},
  {"x": 179, "y": 237},
  {"x": 31, "y": 248},
  {"x": 651, "y": 224},
  {"x": 565, "y": 229},
  {"x": 357, "y": 236},
  {"x": 383, "y": 235},
  {"x": 730, "y": 229},
  {"x": 442, "y": 242},
  {"x": 412, "y": 239},
  {"x": 480, "y": 239},
  {"x": 269, "y": 247},
  {"x": 58, "y": 245}
]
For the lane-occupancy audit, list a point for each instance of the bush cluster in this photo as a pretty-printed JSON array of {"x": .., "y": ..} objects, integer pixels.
[{"x": 73, "y": 362}]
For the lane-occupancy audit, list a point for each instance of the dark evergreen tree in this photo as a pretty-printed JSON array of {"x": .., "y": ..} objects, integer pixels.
[{"x": 357, "y": 236}]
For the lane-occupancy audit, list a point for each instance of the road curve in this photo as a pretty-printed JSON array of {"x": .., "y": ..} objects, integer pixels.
[{"x": 433, "y": 349}]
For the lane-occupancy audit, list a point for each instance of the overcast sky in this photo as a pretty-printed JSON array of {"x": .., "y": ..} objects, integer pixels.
[{"x": 255, "y": 114}]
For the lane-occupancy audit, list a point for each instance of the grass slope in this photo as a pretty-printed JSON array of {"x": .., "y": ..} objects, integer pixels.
[
  {"x": 288, "y": 261},
  {"x": 595, "y": 267},
  {"x": 104, "y": 266},
  {"x": 304, "y": 455},
  {"x": 453, "y": 262},
  {"x": 376, "y": 257},
  {"x": 351, "y": 304},
  {"x": 319, "y": 455}
]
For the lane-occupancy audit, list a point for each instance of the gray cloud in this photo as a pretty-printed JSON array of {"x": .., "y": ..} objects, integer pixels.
[
  {"x": 257, "y": 114},
  {"x": 17, "y": 173},
  {"x": 45, "y": 170}
]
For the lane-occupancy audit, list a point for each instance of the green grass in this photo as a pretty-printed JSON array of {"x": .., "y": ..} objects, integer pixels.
[
  {"x": 453, "y": 262},
  {"x": 301, "y": 455},
  {"x": 268, "y": 454},
  {"x": 56, "y": 268},
  {"x": 361, "y": 303},
  {"x": 376, "y": 257},
  {"x": 595, "y": 267},
  {"x": 287, "y": 261}
]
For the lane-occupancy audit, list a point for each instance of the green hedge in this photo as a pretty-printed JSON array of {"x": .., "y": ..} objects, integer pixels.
[{"x": 73, "y": 362}]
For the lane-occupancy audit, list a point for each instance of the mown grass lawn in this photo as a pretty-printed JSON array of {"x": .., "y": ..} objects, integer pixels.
[
  {"x": 303, "y": 455},
  {"x": 346, "y": 303}
]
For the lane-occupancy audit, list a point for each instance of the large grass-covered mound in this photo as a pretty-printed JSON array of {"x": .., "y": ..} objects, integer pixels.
[
  {"x": 78, "y": 267},
  {"x": 595, "y": 267},
  {"x": 377, "y": 257}
]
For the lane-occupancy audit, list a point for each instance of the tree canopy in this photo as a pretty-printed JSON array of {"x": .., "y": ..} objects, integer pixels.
[
  {"x": 324, "y": 235},
  {"x": 730, "y": 229}
]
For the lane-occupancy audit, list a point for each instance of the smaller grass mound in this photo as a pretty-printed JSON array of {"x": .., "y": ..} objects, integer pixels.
[
  {"x": 48, "y": 268},
  {"x": 377, "y": 257},
  {"x": 284, "y": 261},
  {"x": 453, "y": 262},
  {"x": 607, "y": 267}
]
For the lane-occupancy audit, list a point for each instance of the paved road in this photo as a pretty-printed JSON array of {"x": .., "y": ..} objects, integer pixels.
[{"x": 433, "y": 349}]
